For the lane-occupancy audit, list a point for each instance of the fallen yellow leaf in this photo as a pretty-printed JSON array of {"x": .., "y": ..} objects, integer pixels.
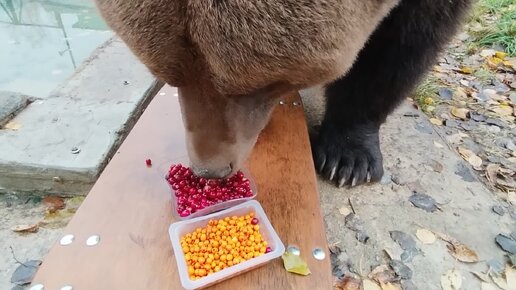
[
  {"x": 510, "y": 276},
  {"x": 53, "y": 203},
  {"x": 503, "y": 110},
  {"x": 347, "y": 283},
  {"x": 436, "y": 121},
  {"x": 25, "y": 228},
  {"x": 492, "y": 172},
  {"x": 73, "y": 203},
  {"x": 57, "y": 219},
  {"x": 461, "y": 113},
  {"x": 425, "y": 236},
  {"x": 500, "y": 54},
  {"x": 462, "y": 253},
  {"x": 440, "y": 69},
  {"x": 344, "y": 211},
  {"x": 471, "y": 157},
  {"x": 382, "y": 274},
  {"x": 428, "y": 101},
  {"x": 451, "y": 280},
  {"x": 295, "y": 264},
  {"x": 12, "y": 126},
  {"x": 499, "y": 280},
  {"x": 460, "y": 93},
  {"x": 481, "y": 276},
  {"x": 466, "y": 70},
  {"x": 390, "y": 286},
  {"x": 510, "y": 63},
  {"x": 370, "y": 285},
  {"x": 438, "y": 145},
  {"x": 493, "y": 62},
  {"x": 487, "y": 52},
  {"x": 458, "y": 250},
  {"x": 511, "y": 198}
]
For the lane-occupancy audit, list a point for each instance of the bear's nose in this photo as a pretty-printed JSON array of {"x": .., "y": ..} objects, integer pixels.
[{"x": 217, "y": 173}]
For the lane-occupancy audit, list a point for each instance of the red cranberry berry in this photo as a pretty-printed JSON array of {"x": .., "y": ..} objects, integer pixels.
[
  {"x": 268, "y": 250},
  {"x": 254, "y": 221},
  {"x": 148, "y": 162},
  {"x": 195, "y": 193}
]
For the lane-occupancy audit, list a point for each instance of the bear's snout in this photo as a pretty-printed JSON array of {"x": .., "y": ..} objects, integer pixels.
[{"x": 214, "y": 173}]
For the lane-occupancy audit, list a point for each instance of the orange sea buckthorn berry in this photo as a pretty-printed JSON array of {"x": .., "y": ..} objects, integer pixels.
[{"x": 221, "y": 244}]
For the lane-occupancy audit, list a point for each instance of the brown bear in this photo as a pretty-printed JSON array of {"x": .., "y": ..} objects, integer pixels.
[{"x": 233, "y": 59}]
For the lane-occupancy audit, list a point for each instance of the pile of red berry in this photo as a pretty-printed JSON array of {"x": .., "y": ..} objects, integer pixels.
[{"x": 194, "y": 193}]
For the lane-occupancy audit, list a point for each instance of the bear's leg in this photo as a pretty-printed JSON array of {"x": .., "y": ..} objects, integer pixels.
[{"x": 346, "y": 148}]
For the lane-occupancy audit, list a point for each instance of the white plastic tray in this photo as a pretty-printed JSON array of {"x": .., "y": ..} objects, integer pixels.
[{"x": 181, "y": 228}]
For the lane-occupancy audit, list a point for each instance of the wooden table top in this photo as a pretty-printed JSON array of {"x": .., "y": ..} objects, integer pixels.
[{"x": 129, "y": 207}]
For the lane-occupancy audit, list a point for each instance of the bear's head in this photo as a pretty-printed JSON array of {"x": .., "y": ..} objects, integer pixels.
[{"x": 232, "y": 60}]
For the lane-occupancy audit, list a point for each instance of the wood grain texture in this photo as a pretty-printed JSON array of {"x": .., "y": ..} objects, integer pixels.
[{"x": 130, "y": 208}]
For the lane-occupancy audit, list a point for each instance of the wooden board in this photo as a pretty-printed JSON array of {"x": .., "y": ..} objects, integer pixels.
[{"x": 130, "y": 209}]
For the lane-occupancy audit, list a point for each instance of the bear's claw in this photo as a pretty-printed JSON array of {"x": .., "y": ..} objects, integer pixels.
[{"x": 348, "y": 156}]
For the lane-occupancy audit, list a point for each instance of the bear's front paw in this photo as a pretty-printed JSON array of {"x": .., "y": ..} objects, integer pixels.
[{"x": 348, "y": 156}]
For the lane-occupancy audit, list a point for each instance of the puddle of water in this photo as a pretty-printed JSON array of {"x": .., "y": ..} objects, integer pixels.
[{"x": 42, "y": 42}]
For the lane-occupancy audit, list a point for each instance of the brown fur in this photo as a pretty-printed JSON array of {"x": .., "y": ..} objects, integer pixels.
[
  {"x": 231, "y": 58},
  {"x": 245, "y": 44}
]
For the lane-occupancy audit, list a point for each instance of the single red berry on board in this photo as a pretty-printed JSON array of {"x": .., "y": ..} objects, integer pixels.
[
  {"x": 148, "y": 162},
  {"x": 255, "y": 221},
  {"x": 268, "y": 250}
]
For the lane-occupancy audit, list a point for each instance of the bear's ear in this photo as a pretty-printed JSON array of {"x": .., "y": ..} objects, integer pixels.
[{"x": 155, "y": 31}]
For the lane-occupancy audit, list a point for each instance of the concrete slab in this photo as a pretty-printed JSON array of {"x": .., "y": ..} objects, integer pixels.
[
  {"x": 10, "y": 104},
  {"x": 64, "y": 141}
]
